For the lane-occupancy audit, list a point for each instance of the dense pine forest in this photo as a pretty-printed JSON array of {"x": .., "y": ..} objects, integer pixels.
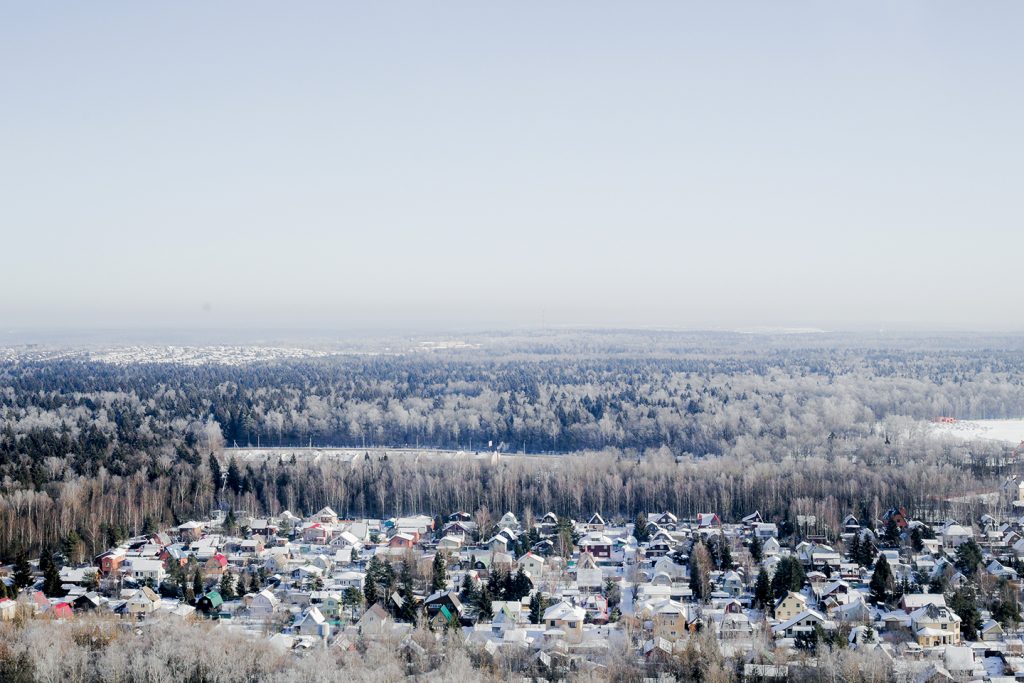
[{"x": 93, "y": 451}]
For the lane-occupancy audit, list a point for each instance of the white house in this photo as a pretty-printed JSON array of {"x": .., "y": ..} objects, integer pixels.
[
  {"x": 313, "y": 623},
  {"x": 141, "y": 569},
  {"x": 264, "y": 604},
  {"x": 954, "y": 535}
]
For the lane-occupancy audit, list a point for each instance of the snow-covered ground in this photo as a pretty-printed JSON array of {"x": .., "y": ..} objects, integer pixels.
[
  {"x": 1006, "y": 431},
  {"x": 183, "y": 355},
  {"x": 316, "y": 454},
  {"x": 201, "y": 355}
]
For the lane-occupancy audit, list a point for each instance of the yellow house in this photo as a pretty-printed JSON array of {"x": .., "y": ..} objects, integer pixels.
[
  {"x": 143, "y": 602},
  {"x": 935, "y": 625},
  {"x": 790, "y": 606},
  {"x": 668, "y": 619},
  {"x": 567, "y": 618}
]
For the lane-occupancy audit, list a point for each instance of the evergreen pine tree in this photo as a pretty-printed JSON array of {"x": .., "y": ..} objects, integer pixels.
[
  {"x": 51, "y": 578},
  {"x": 964, "y": 603},
  {"x": 216, "y": 474},
  {"x": 227, "y": 586},
  {"x": 370, "y": 588},
  {"x": 407, "y": 612},
  {"x": 641, "y": 530},
  {"x": 763, "y": 592},
  {"x": 881, "y": 581},
  {"x": 467, "y": 592},
  {"x": 483, "y": 603},
  {"x": 22, "y": 571},
  {"x": 197, "y": 583},
  {"x": 439, "y": 573},
  {"x": 968, "y": 557},
  {"x": 521, "y": 585},
  {"x": 235, "y": 481},
  {"x": 865, "y": 553},
  {"x": 756, "y": 549},
  {"x": 853, "y": 549},
  {"x": 892, "y": 532},
  {"x": 916, "y": 540},
  {"x": 789, "y": 576},
  {"x": 496, "y": 584},
  {"x": 537, "y": 607},
  {"x": 724, "y": 554}
]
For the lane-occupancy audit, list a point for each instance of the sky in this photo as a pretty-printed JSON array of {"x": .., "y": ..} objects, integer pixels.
[{"x": 696, "y": 165}]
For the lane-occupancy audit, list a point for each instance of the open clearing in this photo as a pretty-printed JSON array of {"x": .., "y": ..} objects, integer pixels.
[
  {"x": 315, "y": 454},
  {"x": 1005, "y": 431}
]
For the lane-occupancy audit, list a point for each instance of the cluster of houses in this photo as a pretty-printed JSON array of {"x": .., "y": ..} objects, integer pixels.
[{"x": 594, "y": 589}]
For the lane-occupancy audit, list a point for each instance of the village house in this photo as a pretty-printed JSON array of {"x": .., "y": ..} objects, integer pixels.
[
  {"x": 191, "y": 531},
  {"x": 589, "y": 576},
  {"x": 669, "y": 618},
  {"x": 375, "y": 621},
  {"x": 326, "y": 515},
  {"x": 143, "y": 602},
  {"x": 597, "y": 544},
  {"x": 313, "y": 623},
  {"x": 708, "y": 521},
  {"x": 264, "y": 604},
  {"x": 210, "y": 603},
  {"x": 144, "y": 570},
  {"x": 501, "y": 542},
  {"x": 595, "y": 523},
  {"x": 803, "y": 623},
  {"x": 8, "y": 608},
  {"x": 934, "y": 625},
  {"x": 327, "y": 601},
  {"x": 447, "y": 604},
  {"x": 109, "y": 563},
  {"x": 532, "y": 565},
  {"x": 566, "y": 618},
  {"x": 955, "y": 535},
  {"x": 790, "y": 605}
]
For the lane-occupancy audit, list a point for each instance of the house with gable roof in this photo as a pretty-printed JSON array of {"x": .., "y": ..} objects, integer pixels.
[
  {"x": 312, "y": 623},
  {"x": 596, "y": 522},
  {"x": 566, "y": 618},
  {"x": 264, "y": 604}
]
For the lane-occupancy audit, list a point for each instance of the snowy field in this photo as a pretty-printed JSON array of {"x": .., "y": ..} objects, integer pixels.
[
  {"x": 201, "y": 355},
  {"x": 181, "y": 355},
  {"x": 258, "y": 455},
  {"x": 1005, "y": 431}
]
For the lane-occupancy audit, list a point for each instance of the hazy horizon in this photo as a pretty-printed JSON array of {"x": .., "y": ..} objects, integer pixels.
[{"x": 473, "y": 167}]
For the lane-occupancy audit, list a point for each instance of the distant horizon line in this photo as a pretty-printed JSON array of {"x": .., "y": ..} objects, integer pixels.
[{"x": 151, "y": 333}]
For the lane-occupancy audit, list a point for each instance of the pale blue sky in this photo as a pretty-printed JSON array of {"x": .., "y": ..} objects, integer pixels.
[{"x": 707, "y": 164}]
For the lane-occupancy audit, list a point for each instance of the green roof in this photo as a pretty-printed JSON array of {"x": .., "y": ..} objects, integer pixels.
[{"x": 215, "y": 599}]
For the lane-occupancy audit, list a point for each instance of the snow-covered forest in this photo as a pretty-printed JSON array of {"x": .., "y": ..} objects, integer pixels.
[{"x": 99, "y": 449}]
